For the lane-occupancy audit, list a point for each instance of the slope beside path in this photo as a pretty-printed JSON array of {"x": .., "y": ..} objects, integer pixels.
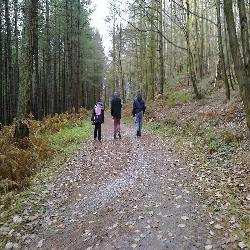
[{"x": 121, "y": 194}]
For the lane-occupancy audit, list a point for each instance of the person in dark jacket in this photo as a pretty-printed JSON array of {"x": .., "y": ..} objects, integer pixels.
[
  {"x": 116, "y": 109},
  {"x": 97, "y": 119},
  {"x": 138, "y": 112}
]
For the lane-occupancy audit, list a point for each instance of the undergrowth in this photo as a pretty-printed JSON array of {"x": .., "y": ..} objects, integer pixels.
[
  {"x": 68, "y": 140},
  {"x": 179, "y": 98},
  {"x": 22, "y": 159},
  {"x": 63, "y": 144}
]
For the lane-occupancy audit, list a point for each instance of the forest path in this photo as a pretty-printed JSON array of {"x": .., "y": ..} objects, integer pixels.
[{"x": 129, "y": 193}]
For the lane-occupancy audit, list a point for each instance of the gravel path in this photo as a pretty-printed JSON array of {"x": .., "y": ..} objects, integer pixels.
[{"x": 130, "y": 193}]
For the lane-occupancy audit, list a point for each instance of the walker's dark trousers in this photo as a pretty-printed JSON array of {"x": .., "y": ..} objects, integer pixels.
[{"x": 98, "y": 131}]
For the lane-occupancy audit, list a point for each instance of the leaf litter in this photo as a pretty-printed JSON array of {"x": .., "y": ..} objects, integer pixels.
[{"x": 111, "y": 185}]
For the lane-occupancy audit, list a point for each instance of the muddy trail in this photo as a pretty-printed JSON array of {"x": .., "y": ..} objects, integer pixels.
[{"x": 129, "y": 193}]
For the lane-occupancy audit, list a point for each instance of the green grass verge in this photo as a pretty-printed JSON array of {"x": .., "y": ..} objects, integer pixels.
[{"x": 68, "y": 140}]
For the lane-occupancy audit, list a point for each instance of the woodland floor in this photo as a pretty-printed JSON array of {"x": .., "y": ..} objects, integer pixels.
[
  {"x": 121, "y": 194},
  {"x": 144, "y": 193}
]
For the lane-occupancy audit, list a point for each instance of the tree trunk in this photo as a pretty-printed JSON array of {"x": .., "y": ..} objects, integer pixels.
[
  {"x": 122, "y": 87},
  {"x": 228, "y": 57},
  {"x": 16, "y": 64},
  {"x": 36, "y": 107},
  {"x": 24, "y": 98},
  {"x": 192, "y": 73},
  {"x": 48, "y": 75},
  {"x": 241, "y": 69},
  {"x": 221, "y": 52},
  {"x": 1, "y": 67},
  {"x": 161, "y": 52},
  {"x": 114, "y": 80},
  {"x": 152, "y": 53},
  {"x": 244, "y": 34},
  {"x": 9, "y": 87},
  {"x": 55, "y": 90}
]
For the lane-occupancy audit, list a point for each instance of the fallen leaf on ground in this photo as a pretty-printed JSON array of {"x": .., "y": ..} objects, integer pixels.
[
  {"x": 208, "y": 247},
  {"x": 181, "y": 225},
  {"x": 218, "y": 226},
  {"x": 242, "y": 245},
  {"x": 40, "y": 243}
]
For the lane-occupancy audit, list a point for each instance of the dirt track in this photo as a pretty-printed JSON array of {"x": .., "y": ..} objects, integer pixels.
[{"x": 123, "y": 194}]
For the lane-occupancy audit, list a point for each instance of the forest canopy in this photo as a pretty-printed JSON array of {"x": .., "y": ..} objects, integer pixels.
[
  {"x": 198, "y": 41},
  {"x": 51, "y": 60}
]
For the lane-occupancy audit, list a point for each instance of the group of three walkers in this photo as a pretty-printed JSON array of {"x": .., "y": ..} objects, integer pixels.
[{"x": 116, "y": 108}]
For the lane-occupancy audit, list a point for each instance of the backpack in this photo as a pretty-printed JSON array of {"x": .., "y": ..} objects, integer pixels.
[{"x": 98, "y": 113}]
